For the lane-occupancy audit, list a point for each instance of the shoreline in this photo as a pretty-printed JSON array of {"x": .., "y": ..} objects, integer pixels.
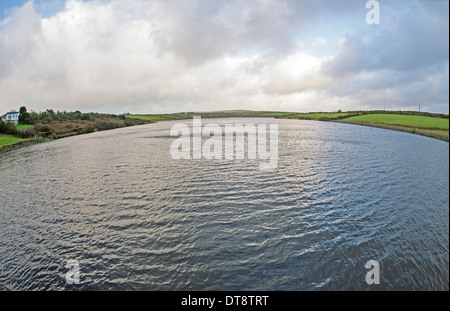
[
  {"x": 35, "y": 141},
  {"x": 398, "y": 129},
  {"x": 38, "y": 140},
  {"x": 23, "y": 144},
  {"x": 414, "y": 131}
]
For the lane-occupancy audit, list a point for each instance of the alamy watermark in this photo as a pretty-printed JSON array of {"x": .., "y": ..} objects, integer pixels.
[
  {"x": 228, "y": 143},
  {"x": 373, "y": 15},
  {"x": 373, "y": 276},
  {"x": 73, "y": 275}
]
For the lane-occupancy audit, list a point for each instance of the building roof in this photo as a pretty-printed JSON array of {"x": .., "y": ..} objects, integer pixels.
[{"x": 12, "y": 112}]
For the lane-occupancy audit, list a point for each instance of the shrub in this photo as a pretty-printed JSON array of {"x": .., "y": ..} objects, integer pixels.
[
  {"x": 85, "y": 116},
  {"x": 44, "y": 128},
  {"x": 128, "y": 122},
  {"x": 8, "y": 128},
  {"x": 28, "y": 133},
  {"x": 87, "y": 129},
  {"x": 102, "y": 125}
]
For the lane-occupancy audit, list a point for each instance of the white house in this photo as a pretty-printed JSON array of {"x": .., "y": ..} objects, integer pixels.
[{"x": 11, "y": 117}]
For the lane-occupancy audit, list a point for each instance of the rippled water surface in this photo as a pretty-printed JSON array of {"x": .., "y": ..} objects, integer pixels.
[{"x": 135, "y": 219}]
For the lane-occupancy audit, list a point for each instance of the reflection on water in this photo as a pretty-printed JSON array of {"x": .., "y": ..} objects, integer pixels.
[{"x": 135, "y": 219}]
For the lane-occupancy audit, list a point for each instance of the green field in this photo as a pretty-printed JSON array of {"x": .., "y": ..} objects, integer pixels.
[
  {"x": 402, "y": 120},
  {"x": 6, "y": 140},
  {"x": 149, "y": 117},
  {"x": 317, "y": 116},
  {"x": 424, "y": 125},
  {"x": 23, "y": 126}
]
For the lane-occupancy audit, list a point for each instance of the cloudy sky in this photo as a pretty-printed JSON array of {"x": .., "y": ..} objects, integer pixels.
[{"x": 160, "y": 56}]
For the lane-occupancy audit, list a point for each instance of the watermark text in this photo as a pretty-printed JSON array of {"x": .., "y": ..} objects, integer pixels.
[
  {"x": 230, "y": 142},
  {"x": 373, "y": 15}
]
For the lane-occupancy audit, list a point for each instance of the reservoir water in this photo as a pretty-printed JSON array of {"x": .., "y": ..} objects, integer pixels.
[{"x": 135, "y": 219}]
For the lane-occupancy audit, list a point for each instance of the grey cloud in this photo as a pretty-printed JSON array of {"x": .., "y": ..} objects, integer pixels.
[
  {"x": 203, "y": 29},
  {"x": 414, "y": 36},
  {"x": 389, "y": 89},
  {"x": 402, "y": 62}
]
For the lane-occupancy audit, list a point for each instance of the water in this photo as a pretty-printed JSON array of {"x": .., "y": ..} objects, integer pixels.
[{"x": 135, "y": 219}]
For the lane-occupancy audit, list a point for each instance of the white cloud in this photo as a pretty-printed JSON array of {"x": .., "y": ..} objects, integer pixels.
[{"x": 296, "y": 73}]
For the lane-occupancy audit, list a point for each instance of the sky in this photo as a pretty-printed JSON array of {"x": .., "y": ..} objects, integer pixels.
[{"x": 164, "y": 56}]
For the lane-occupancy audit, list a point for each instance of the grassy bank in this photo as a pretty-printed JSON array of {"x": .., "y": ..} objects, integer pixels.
[
  {"x": 7, "y": 140},
  {"x": 51, "y": 125},
  {"x": 318, "y": 116},
  {"x": 23, "y": 143},
  {"x": 402, "y": 120},
  {"x": 421, "y": 123},
  {"x": 435, "y": 127}
]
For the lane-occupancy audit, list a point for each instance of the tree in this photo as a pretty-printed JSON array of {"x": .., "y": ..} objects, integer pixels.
[{"x": 24, "y": 116}]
